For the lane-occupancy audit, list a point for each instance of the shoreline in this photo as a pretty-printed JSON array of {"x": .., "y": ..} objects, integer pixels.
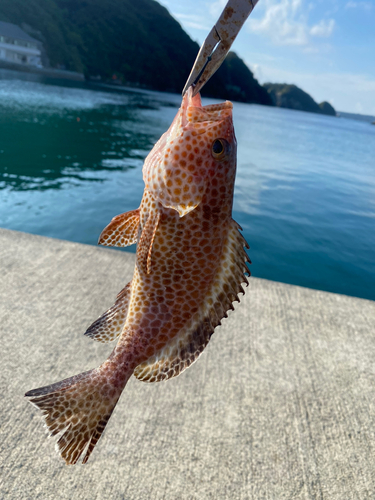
[{"x": 47, "y": 72}]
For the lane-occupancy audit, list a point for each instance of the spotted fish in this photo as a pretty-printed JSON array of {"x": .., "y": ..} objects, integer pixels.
[{"x": 190, "y": 266}]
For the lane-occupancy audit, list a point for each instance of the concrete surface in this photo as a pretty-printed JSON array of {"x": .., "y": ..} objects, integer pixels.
[{"x": 279, "y": 406}]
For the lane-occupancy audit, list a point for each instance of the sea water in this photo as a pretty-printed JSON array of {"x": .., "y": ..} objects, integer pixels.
[{"x": 71, "y": 158}]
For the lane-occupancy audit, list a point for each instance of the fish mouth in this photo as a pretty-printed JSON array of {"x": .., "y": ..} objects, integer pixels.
[
  {"x": 196, "y": 102},
  {"x": 191, "y": 113},
  {"x": 192, "y": 105}
]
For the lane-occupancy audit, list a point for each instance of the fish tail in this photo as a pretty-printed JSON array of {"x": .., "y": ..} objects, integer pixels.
[{"x": 78, "y": 408}]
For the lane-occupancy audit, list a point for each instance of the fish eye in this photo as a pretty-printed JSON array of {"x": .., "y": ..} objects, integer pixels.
[{"x": 218, "y": 148}]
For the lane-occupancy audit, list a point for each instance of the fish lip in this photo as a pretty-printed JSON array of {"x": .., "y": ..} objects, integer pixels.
[
  {"x": 188, "y": 101},
  {"x": 195, "y": 100},
  {"x": 218, "y": 107}
]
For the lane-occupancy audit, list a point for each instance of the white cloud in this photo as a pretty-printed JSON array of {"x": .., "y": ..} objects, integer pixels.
[
  {"x": 361, "y": 5},
  {"x": 257, "y": 70},
  {"x": 324, "y": 28},
  {"x": 193, "y": 21},
  {"x": 285, "y": 22}
]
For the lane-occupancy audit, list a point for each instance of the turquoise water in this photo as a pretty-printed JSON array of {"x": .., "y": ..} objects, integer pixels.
[{"x": 71, "y": 158}]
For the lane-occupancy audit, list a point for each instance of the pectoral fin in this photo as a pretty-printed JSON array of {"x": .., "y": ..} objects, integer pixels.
[
  {"x": 122, "y": 231},
  {"x": 146, "y": 241}
]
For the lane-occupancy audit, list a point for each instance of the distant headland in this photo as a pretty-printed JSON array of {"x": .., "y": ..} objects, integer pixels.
[
  {"x": 290, "y": 96},
  {"x": 136, "y": 44}
]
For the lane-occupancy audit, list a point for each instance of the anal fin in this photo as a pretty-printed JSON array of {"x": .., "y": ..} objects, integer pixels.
[
  {"x": 122, "y": 231},
  {"x": 109, "y": 326}
]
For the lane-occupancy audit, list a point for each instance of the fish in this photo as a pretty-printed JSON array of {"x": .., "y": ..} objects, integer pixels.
[{"x": 191, "y": 263}]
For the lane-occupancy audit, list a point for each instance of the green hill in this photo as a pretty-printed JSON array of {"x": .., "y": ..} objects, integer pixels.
[
  {"x": 138, "y": 41},
  {"x": 288, "y": 96},
  {"x": 327, "y": 109}
]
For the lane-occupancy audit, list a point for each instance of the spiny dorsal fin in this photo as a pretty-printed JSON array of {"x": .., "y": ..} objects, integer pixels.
[
  {"x": 109, "y": 326},
  {"x": 181, "y": 351},
  {"x": 122, "y": 231},
  {"x": 146, "y": 241}
]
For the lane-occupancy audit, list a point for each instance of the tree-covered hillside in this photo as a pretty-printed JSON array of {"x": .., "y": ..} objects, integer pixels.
[{"x": 138, "y": 41}]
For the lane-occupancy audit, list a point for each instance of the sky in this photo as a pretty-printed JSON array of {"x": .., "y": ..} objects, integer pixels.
[{"x": 325, "y": 47}]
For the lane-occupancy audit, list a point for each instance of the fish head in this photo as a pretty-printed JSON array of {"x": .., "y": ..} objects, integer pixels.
[{"x": 199, "y": 146}]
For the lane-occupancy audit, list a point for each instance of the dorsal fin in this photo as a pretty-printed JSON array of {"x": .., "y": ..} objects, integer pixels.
[
  {"x": 144, "y": 248},
  {"x": 109, "y": 326},
  {"x": 181, "y": 351},
  {"x": 122, "y": 231}
]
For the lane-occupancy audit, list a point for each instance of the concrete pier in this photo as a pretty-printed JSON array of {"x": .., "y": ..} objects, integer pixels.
[{"x": 281, "y": 405}]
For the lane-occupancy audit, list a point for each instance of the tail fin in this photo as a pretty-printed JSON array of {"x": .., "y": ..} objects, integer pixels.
[{"x": 78, "y": 409}]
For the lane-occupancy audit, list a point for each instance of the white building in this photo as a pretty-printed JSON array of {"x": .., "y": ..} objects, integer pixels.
[{"x": 16, "y": 46}]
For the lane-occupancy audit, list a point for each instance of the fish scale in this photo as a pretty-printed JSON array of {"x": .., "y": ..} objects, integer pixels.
[{"x": 190, "y": 266}]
